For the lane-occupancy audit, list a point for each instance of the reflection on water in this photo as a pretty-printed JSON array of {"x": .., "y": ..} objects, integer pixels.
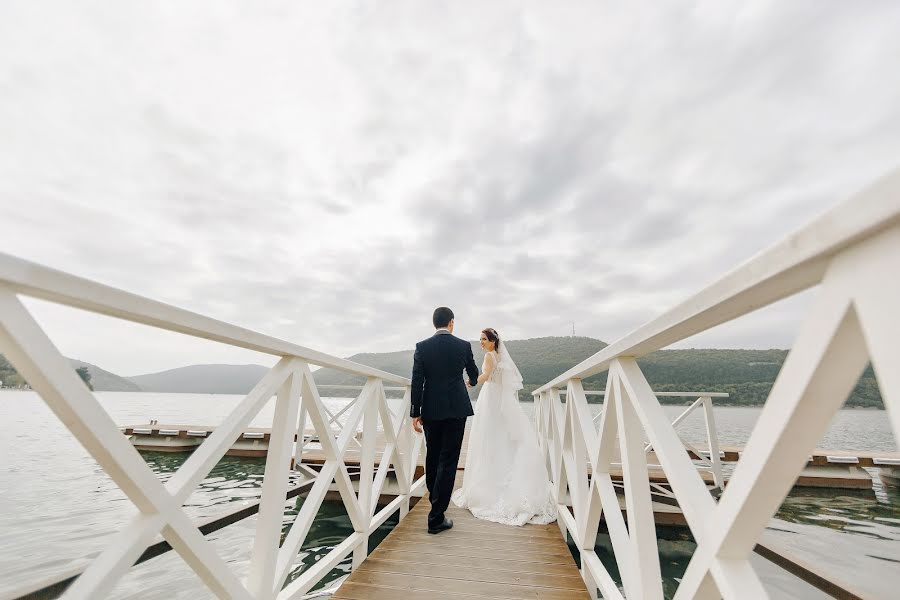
[
  {"x": 676, "y": 546},
  {"x": 861, "y": 513},
  {"x": 868, "y": 528},
  {"x": 233, "y": 479},
  {"x": 675, "y": 550},
  {"x": 330, "y": 527}
]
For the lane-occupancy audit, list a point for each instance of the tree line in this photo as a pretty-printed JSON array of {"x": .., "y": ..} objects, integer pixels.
[{"x": 746, "y": 375}]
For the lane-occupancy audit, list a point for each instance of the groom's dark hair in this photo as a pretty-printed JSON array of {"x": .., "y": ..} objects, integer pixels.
[{"x": 441, "y": 317}]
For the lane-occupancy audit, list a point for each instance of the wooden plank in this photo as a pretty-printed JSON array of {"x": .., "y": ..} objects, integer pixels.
[
  {"x": 444, "y": 585},
  {"x": 470, "y": 529},
  {"x": 501, "y": 564},
  {"x": 451, "y": 538},
  {"x": 505, "y": 548},
  {"x": 363, "y": 591},
  {"x": 473, "y": 551},
  {"x": 463, "y": 520},
  {"x": 476, "y": 559},
  {"x": 464, "y": 517},
  {"x": 469, "y": 573}
]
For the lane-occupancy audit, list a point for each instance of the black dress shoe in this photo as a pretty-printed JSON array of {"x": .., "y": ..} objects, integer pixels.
[{"x": 447, "y": 524}]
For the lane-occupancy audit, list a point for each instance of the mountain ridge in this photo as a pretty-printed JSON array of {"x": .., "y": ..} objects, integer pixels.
[
  {"x": 202, "y": 379},
  {"x": 101, "y": 379},
  {"x": 747, "y": 375}
]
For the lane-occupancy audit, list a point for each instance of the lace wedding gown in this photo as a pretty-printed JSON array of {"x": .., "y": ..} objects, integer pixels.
[{"x": 505, "y": 480}]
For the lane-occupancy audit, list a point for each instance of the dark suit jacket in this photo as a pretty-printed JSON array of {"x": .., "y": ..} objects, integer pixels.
[{"x": 438, "y": 389}]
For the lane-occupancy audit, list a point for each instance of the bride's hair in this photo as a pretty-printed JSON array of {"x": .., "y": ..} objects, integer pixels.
[{"x": 492, "y": 336}]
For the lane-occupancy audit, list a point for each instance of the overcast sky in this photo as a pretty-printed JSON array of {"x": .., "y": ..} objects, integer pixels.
[{"x": 330, "y": 172}]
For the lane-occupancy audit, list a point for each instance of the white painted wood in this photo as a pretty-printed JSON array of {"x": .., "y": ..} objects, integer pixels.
[
  {"x": 791, "y": 266},
  {"x": 814, "y": 382},
  {"x": 852, "y": 252},
  {"x": 35, "y": 357},
  {"x": 646, "y": 582},
  {"x": 658, "y": 394},
  {"x": 872, "y": 269},
  {"x": 578, "y": 467},
  {"x": 303, "y": 522},
  {"x": 210, "y": 452},
  {"x": 201, "y": 556},
  {"x": 323, "y": 566},
  {"x": 385, "y": 513},
  {"x": 737, "y": 580},
  {"x": 38, "y": 281},
  {"x": 602, "y": 578},
  {"x": 27, "y": 347},
  {"x": 694, "y": 499},
  {"x": 330, "y": 447},
  {"x": 584, "y": 420},
  {"x": 818, "y": 374},
  {"x": 573, "y": 469},
  {"x": 329, "y": 473},
  {"x": 344, "y": 409},
  {"x": 367, "y": 470},
  {"x": 266, "y": 542},
  {"x": 712, "y": 438},
  {"x": 558, "y": 426},
  {"x": 300, "y": 446},
  {"x": 121, "y": 552},
  {"x": 587, "y": 515},
  {"x": 602, "y": 486}
]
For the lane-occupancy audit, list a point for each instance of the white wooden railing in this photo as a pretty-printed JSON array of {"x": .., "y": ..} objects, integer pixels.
[
  {"x": 705, "y": 460},
  {"x": 32, "y": 353},
  {"x": 853, "y": 255}
]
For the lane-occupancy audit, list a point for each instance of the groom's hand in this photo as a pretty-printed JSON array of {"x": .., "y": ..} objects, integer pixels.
[{"x": 417, "y": 424}]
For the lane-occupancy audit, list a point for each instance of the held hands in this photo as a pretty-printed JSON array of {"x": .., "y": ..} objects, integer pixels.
[{"x": 417, "y": 424}]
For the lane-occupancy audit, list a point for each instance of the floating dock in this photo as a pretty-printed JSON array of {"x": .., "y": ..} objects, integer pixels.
[{"x": 836, "y": 469}]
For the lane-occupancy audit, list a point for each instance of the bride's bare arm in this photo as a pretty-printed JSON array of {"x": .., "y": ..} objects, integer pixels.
[{"x": 487, "y": 367}]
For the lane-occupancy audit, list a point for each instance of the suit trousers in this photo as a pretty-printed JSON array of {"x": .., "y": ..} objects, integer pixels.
[{"x": 443, "y": 442}]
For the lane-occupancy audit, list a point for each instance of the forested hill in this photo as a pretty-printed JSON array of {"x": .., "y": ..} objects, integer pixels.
[
  {"x": 747, "y": 375},
  {"x": 101, "y": 380}
]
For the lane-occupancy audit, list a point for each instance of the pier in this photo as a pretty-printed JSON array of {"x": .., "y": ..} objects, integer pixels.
[
  {"x": 475, "y": 560},
  {"x": 618, "y": 473},
  {"x": 836, "y": 469}
]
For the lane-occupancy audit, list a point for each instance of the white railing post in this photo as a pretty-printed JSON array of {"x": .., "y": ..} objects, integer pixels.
[
  {"x": 646, "y": 581},
  {"x": 557, "y": 425},
  {"x": 405, "y": 449},
  {"x": 300, "y": 447},
  {"x": 367, "y": 469},
  {"x": 712, "y": 437},
  {"x": 264, "y": 556},
  {"x": 584, "y": 446}
]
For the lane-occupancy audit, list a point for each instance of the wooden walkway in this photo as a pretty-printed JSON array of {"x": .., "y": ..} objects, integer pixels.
[{"x": 476, "y": 559}]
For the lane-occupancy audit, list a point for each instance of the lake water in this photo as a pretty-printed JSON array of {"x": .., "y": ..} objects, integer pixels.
[{"x": 58, "y": 508}]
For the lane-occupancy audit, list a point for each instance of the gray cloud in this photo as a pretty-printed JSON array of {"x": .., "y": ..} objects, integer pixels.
[{"x": 329, "y": 174}]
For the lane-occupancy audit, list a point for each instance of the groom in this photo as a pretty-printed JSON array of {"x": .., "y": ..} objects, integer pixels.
[{"x": 441, "y": 405}]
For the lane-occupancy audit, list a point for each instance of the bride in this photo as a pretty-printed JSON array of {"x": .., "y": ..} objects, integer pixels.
[{"x": 505, "y": 480}]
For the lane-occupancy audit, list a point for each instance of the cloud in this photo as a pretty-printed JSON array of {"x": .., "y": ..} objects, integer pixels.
[{"x": 329, "y": 174}]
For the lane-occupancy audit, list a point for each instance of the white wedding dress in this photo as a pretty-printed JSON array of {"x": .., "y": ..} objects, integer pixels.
[{"x": 505, "y": 480}]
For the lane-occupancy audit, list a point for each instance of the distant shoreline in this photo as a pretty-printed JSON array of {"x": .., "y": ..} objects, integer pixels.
[{"x": 521, "y": 399}]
